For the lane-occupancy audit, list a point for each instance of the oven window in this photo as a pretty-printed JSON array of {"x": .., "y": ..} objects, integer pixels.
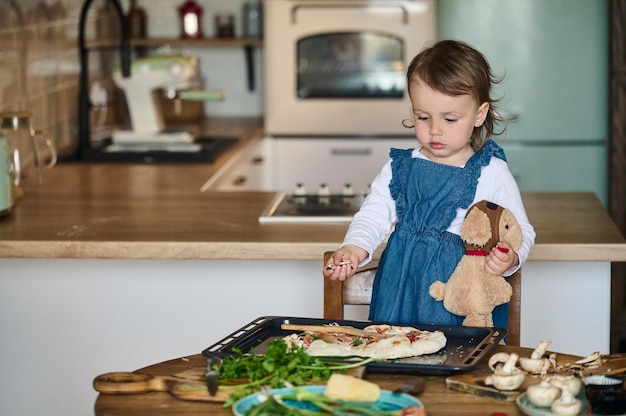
[{"x": 351, "y": 65}]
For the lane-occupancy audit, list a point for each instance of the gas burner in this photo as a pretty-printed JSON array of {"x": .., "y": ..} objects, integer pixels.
[{"x": 324, "y": 206}]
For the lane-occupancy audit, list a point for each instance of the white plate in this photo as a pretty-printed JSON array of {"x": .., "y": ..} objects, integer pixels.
[
  {"x": 387, "y": 401},
  {"x": 530, "y": 409}
]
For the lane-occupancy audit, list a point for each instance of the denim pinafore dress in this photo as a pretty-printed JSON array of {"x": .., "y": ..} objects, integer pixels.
[{"x": 420, "y": 250}]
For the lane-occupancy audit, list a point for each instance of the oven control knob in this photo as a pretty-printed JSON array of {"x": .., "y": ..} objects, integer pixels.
[
  {"x": 300, "y": 189},
  {"x": 347, "y": 190},
  {"x": 323, "y": 190},
  {"x": 323, "y": 194}
]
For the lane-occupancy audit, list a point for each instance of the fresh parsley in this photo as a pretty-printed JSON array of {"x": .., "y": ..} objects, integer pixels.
[{"x": 279, "y": 365}]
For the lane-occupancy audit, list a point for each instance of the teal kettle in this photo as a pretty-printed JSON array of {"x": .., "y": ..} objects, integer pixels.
[{"x": 7, "y": 173}]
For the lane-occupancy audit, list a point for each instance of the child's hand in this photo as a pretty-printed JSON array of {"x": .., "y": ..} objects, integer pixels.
[
  {"x": 344, "y": 262},
  {"x": 500, "y": 259}
]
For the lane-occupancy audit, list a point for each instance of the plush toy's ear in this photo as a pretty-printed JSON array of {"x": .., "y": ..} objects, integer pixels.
[
  {"x": 510, "y": 230},
  {"x": 476, "y": 228}
]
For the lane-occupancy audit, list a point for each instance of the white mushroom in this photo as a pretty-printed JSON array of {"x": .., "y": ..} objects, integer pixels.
[
  {"x": 507, "y": 376},
  {"x": 497, "y": 360},
  {"x": 543, "y": 394},
  {"x": 537, "y": 364},
  {"x": 566, "y": 405},
  {"x": 566, "y": 382},
  {"x": 541, "y": 349}
]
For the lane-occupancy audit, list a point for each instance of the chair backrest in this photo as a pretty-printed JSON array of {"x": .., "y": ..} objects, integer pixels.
[{"x": 357, "y": 290}]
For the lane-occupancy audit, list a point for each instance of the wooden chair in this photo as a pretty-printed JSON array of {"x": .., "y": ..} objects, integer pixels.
[{"x": 358, "y": 291}]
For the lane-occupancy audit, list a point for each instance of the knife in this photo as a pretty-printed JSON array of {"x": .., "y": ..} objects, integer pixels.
[{"x": 213, "y": 374}]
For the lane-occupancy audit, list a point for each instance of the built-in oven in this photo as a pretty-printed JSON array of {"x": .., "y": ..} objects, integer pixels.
[{"x": 338, "y": 67}]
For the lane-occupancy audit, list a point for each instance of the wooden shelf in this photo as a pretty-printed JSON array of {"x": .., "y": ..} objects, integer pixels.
[{"x": 200, "y": 43}]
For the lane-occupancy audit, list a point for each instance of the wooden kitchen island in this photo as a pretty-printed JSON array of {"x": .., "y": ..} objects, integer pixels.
[{"x": 112, "y": 267}]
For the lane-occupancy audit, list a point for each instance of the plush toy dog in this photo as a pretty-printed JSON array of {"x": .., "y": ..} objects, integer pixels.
[{"x": 470, "y": 291}]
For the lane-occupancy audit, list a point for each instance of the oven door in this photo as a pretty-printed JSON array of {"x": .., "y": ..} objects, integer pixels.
[{"x": 338, "y": 67}]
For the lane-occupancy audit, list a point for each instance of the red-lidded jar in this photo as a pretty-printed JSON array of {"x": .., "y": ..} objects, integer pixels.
[{"x": 190, "y": 18}]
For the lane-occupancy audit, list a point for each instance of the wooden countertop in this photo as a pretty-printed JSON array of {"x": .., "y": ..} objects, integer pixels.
[{"x": 150, "y": 211}]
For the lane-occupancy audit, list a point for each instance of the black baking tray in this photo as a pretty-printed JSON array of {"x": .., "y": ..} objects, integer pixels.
[{"x": 465, "y": 347}]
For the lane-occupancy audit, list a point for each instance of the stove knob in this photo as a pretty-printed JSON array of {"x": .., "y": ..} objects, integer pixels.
[
  {"x": 300, "y": 189},
  {"x": 348, "y": 190},
  {"x": 323, "y": 193},
  {"x": 323, "y": 190},
  {"x": 299, "y": 194}
]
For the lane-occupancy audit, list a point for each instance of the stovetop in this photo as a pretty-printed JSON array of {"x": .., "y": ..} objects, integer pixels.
[{"x": 312, "y": 208}]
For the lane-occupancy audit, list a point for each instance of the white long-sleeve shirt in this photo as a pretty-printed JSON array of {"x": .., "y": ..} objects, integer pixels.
[{"x": 372, "y": 224}]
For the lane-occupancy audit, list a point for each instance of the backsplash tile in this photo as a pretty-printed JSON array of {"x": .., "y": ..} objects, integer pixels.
[{"x": 39, "y": 65}]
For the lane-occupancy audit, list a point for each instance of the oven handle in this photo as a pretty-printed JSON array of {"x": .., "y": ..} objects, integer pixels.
[
  {"x": 365, "y": 151},
  {"x": 294, "y": 9}
]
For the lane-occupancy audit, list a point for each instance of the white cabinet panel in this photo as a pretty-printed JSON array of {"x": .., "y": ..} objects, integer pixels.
[
  {"x": 279, "y": 164},
  {"x": 249, "y": 171}
]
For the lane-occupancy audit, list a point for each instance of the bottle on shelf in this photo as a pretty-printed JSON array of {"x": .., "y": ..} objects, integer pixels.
[
  {"x": 135, "y": 20},
  {"x": 252, "y": 19}
]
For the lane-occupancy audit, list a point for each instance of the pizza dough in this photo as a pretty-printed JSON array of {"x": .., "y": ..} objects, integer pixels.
[{"x": 387, "y": 342}]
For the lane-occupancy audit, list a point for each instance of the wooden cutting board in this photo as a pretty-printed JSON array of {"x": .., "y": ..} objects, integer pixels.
[{"x": 187, "y": 385}]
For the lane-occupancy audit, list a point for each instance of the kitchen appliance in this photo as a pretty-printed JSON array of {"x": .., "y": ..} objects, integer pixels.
[
  {"x": 318, "y": 207},
  {"x": 552, "y": 54},
  {"x": 172, "y": 72},
  {"x": 6, "y": 177},
  {"x": 175, "y": 147},
  {"x": 32, "y": 150},
  {"x": 335, "y": 98},
  {"x": 338, "y": 67}
]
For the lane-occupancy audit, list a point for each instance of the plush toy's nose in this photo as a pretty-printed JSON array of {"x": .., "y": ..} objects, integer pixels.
[{"x": 492, "y": 206}]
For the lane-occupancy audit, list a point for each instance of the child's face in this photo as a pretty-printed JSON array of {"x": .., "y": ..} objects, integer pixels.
[{"x": 444, "y": 123}]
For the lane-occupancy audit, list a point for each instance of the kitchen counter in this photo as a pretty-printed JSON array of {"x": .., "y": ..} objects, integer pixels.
[
  {"x": 143, "y": 211},
  {"x": 115, "y": 266}
]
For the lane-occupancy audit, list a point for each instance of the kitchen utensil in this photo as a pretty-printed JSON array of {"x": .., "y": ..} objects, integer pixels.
[
  {"x": 182, "y": 386},
  {"x": 413, "y": 386},
  {"x": 465, "y": 347},
  {"x": 6, "y": 177},
  {"x": 212, "y": 375},
  {"x": 474, "y": 383},
  {"x": 33, "y": 150}
]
